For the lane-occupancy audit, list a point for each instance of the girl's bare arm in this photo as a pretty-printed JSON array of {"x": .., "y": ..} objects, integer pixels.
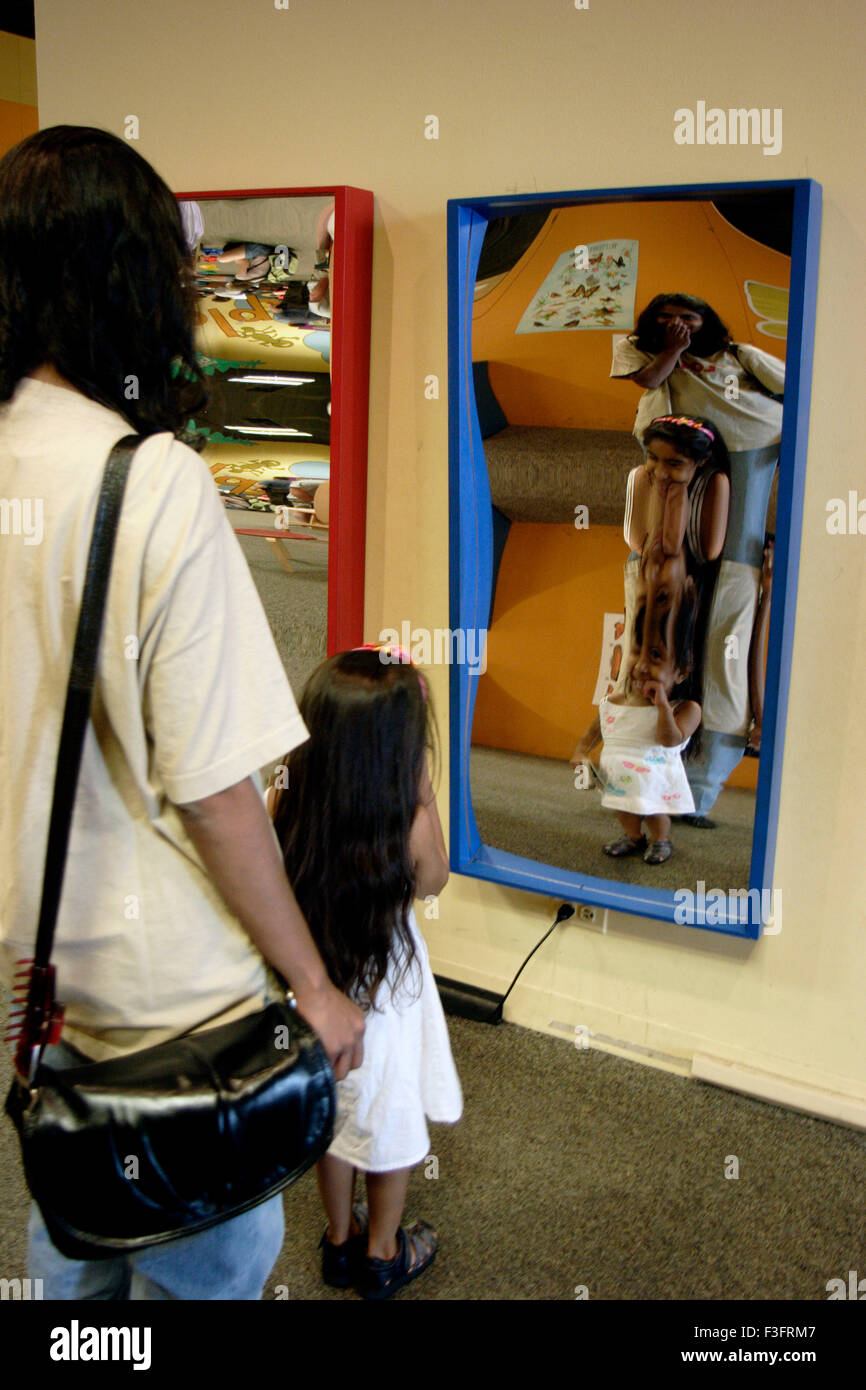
[
  {"x": 587, "y": 743},
  {"x": 427, "y": 843}
]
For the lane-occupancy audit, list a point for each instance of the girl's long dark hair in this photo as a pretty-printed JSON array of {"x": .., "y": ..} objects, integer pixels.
[
  {"x": 688, "y": 646},
  {"x": 95, "y": 277},
  {"x": 711, "y": 337},
  {"x": 344, "y": 819}
]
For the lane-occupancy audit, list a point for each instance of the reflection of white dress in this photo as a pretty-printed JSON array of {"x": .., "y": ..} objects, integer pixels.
[
  {"x": 407, "y": 1076},
  {"x": 642, "y": 775}
]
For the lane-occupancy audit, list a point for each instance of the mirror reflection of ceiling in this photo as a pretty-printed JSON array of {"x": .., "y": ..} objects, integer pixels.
[
  {"x": 263, "y": 336},
  {"x": 767, "y": 218}
]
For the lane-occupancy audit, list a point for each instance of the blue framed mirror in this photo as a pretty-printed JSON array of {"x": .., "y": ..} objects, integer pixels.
[{"x": 580, "y": 324}]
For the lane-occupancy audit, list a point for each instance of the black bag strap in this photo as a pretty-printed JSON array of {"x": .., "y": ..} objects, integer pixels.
[{"x": 80, "y": 689}]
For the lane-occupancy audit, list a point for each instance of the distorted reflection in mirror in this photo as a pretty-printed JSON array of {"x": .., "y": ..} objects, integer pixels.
[
  {"x": 618, "y": 367},
  {"x": 267, "y": 270}
]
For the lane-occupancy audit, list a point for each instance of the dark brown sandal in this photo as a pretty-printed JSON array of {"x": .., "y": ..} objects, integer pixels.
[
  {"x": 416, "y": 1251},
  {"x": 626, "y": 844},
  {"x": 341, "y": 1264},
  {"x": 658, "y": 852}
]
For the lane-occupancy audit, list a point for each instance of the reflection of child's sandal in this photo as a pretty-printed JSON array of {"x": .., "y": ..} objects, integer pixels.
[
  {"x": 416, "y": 1251},
  {"x": 626, "y": 844},
  {"x": 658, "y": 851}
]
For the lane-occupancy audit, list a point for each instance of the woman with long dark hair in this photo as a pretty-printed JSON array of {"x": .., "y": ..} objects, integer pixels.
[{"x": 175, "y": 893}]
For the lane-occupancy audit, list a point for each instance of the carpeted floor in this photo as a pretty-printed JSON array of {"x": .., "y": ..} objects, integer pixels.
[
  {"x": 529, "y": 806},
  {"x": 575, "y": 1167},
  {"x": 296, "y": 604}
]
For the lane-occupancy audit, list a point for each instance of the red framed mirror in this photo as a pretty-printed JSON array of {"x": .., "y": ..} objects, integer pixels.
[{"x": 284, "y": 277}]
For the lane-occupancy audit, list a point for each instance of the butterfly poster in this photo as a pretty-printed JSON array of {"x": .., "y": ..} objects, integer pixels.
[{"x": 589, "y": 286}]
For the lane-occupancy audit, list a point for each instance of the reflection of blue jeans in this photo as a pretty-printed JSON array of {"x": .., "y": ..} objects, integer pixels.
[
  {"x": 229, "y": 1261},
  {"x": 752, "y": 474}
]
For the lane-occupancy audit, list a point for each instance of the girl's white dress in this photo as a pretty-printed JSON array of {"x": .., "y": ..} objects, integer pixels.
[
  {"x": 642, "y": 775},
  {"x": 407, "y": 1076}
]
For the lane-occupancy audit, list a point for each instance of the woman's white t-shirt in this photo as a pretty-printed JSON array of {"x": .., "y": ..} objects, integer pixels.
[
  {"x": 725, "y": 388},
  {"x": 191, "y": 698}
]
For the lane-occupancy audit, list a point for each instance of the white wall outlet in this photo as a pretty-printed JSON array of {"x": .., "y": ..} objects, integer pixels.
[{"x": 593, "y": 917}]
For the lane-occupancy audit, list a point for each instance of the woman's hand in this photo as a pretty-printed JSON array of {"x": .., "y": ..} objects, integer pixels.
[
  {"x": 677, "y": 336},
  {"x": 338, "y": 1022}
]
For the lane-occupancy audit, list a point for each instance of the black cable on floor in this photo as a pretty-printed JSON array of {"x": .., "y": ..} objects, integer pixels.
[{"x": 566, "y": 910}]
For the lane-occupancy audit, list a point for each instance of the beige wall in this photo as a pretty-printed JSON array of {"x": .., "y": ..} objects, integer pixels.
[{"x": 535, "y": 95}]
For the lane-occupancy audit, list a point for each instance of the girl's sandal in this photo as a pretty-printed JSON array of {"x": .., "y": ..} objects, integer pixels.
[
  {"x": 626, "y": 844},
  {"x": 416, "y": 1251},
  {"x": 341, "y": 1264},
  {"x": 658, "y": 851}
]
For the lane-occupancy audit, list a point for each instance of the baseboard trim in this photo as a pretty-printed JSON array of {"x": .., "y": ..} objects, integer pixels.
[
  {"x": 469, "y": 1001},
  {"x": 793, "y": 1095}
]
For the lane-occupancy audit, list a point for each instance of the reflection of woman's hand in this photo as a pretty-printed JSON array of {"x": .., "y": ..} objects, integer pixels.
[{"x": 677, "y": 336}]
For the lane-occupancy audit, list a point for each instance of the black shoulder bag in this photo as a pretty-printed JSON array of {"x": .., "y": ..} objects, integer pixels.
[{"x": 173, "y": 1139}]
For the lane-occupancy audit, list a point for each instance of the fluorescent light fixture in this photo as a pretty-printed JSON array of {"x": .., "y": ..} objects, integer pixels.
[
  {"x": 273, "y": 430},
  {"x": 276, "y": 380}
]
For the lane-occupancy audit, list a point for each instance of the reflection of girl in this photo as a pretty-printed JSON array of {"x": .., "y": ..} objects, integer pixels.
[
  {"x": 361, "y": 837},
  {"x": 682, "y": 355},
  {"x": 682, "y": 491},
  {"x": 645, "y": 732}
]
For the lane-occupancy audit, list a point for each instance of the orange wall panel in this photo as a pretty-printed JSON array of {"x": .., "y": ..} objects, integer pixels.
[{"x": 563, "y": 378}]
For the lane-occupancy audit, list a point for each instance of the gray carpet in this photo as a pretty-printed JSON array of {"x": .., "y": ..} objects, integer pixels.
[
  {"x": 529, "y": 806},
  {"x": 578, "y": 1168}
]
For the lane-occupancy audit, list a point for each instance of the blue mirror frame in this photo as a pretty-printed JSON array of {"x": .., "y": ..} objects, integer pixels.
[{"x": 471, "y": 556}]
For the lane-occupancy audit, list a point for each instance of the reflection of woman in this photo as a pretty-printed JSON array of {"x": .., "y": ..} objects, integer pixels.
[
  {"x": 174, "y": 888},
  {"x": 682, "y": 356}
]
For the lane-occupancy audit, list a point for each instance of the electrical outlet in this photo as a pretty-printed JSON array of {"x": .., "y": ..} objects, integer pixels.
[{"x": 593, "y": 917}]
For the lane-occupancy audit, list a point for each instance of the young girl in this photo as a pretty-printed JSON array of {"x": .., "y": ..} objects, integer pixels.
[
  {"x": 647, "y": 727},
  {"x": 682, "y": 355},
  {"x": 361, "y": 838}
]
